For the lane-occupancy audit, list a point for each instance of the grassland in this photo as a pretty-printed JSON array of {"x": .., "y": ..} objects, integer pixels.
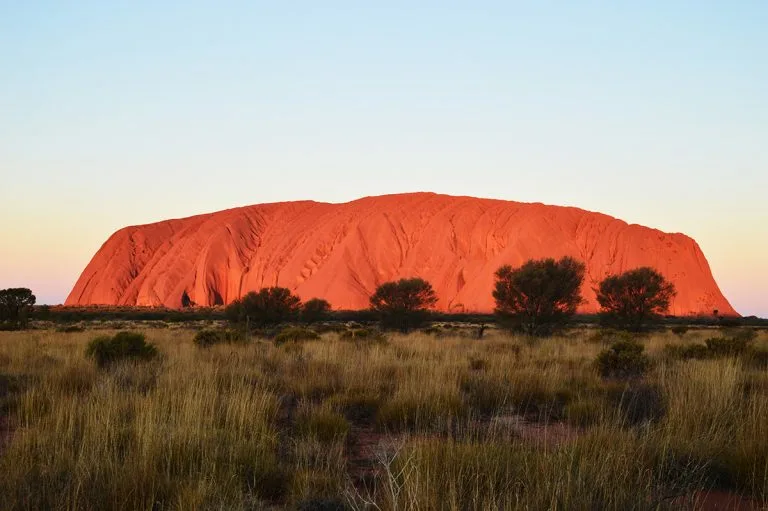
[{"x": 419, "y": 421}]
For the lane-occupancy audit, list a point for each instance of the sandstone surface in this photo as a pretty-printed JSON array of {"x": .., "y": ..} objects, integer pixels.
[{"x": 341, "y": 252}]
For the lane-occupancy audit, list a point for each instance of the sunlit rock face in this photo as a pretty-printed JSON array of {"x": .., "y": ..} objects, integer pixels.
[{"x": 341, "y": 252}]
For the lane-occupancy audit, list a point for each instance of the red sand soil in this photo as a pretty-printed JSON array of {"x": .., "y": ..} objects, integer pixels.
[{"x": 342, "y": 252}]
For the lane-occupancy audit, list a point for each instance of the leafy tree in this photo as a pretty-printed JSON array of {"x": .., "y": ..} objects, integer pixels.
[
  {"x": 403, "y": 304},
  {"x": 539, "y": 296},
  {"x": 634, "y": 298},
  {"x": 15, "y": 306},
  {"x": 315, "y": 309},
  {"x": 268, "y": 306}
]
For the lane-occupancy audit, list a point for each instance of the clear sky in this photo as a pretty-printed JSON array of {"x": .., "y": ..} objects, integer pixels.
[{"x": 119, "y": 113}]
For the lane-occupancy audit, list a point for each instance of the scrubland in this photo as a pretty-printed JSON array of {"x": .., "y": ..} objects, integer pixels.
[{"x": 427, "y": 421}]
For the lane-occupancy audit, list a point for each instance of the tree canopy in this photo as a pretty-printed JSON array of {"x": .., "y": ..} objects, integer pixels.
[
  {"x": 268, "y": 306},
  {"x": 15, "y": 306},
  {"x": 539, "y": 296},
  {"x": 403, "y": 304},
  {"x": 632, "y": 299}
]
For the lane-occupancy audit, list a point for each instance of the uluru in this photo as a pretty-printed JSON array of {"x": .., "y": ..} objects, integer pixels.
[{"x": 342, "y": 252}]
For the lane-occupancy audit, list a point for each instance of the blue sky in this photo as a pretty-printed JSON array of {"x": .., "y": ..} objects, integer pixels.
[{"x": 123, "y": 113}]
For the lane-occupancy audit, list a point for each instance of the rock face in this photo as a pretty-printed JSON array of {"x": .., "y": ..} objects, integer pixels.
[{"x": 341, "y": 252}]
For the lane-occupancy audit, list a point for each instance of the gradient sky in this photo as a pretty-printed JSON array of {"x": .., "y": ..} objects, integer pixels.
[{"x": 119, "y": 113}]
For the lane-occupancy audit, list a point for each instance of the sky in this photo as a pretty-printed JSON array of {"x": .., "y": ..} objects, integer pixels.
[{"x": 123, "y": 113}]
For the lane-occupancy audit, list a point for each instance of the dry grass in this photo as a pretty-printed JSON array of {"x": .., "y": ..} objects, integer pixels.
[{"x": 411, "y": 422}]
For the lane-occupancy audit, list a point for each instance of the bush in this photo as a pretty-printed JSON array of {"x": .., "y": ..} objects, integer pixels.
[
  {"x": 540, "y": 296},
  {"x": 632, "y": 299},
  {"x": 206, "y": 338},
  {"x": 106, "y": 350},
  {"x": 624, "y": 359},
  {"x": 268, "y": 307},
  {"x": 725, "y": 346},
  {"x": 295, "y": 334},
  {"x": 404, "y": 304},
  {"x": 688, "y": 352},
  {"x": 315, "y": 310},
  {"x": 679, "y": 330}
]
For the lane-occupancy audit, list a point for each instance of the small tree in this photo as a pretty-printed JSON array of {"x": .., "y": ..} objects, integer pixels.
[
  {"x": 403, "y": 304},
  {"x": 15, "y": 306},
  {"x": 268, "y": 306},
  {"x": 314, "y": 310},
  {"x": 540, "y": 296},
  {"x": 634, "y": 298}
]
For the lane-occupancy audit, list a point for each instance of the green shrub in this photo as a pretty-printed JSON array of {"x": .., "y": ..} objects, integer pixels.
[
  {"x": 209, "y": 337},
  {"x": 295, "y": 334},
  {"x": 726, "y": 346},
  {"x": 679, "y": 330},
  {"x": 106, "y": 350},
  {"x": 624, "y": 359},
  {"x": 687, "y": 352},
  {"x": 741, "y": 334}
]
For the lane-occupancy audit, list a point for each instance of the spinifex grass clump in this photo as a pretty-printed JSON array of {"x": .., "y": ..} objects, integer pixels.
[{"x": 106, "y": 350}]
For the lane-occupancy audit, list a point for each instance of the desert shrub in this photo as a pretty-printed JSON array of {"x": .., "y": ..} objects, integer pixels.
[
  {"x": 540, "y": 296},
  {"x": 632, "y": 299},
  {"x": 726, "y": 346},
  {"x": 404, "y": 304},
  {"x": 106, "y": 350},
  {"x": 687, "y": 352},
  {"x": 741, "y": 334},
  {"x": 295, "y": 334},
  {"x": 362, "y": 334},
  {"x": 324, "y": 425},
  {"x": 208, "y": 337},
  {"x": 314, "y": 310},
  {"x": 638, "y": 402},
  {"x": 624, "y": 359},
  {"x": 268, "y": 307},
  {"x": 679, "y": 330}
]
